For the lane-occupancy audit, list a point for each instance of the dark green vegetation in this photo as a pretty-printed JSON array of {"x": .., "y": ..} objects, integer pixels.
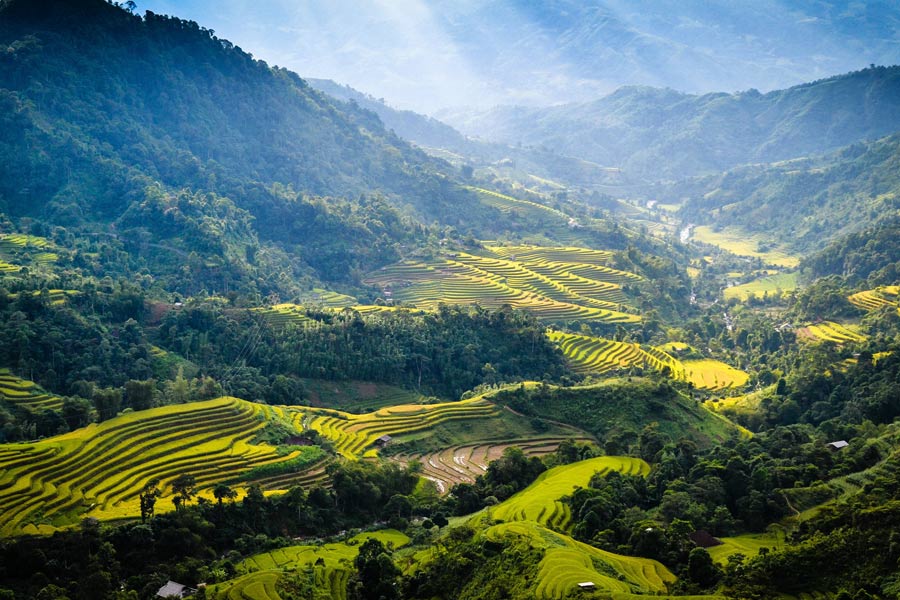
[
  {"x": 197, "y": 159},
  {"x": 803, "y": 202},
  {"x": 181, "y": 222}
]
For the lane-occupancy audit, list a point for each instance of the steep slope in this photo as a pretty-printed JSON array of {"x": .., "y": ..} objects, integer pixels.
[
  {"x": 664, "y": 134},
  {"x": 154, "y": 125},
  {"x": 442, "y": 140},
  {"x": 805, "y": 202}
]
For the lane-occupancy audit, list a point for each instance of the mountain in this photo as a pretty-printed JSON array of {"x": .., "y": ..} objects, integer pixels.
[
  {"x": 803, "y": 202},
  {"x": 163, "y": 135},
  {"x": 442, "y": 140},
  {"x": 663, "y": 134}
]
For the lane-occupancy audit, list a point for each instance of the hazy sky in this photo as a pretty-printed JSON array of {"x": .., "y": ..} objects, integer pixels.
[{"x": 431, "y": 54}]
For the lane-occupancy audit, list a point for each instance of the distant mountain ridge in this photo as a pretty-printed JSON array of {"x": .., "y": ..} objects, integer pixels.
[
  {"x": 433, "y": 134},
  {"x": 663, "y": 134}
]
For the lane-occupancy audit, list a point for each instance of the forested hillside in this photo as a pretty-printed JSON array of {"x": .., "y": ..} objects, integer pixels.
[
  {"x": 803, "y": 202},
  {"x": 660, "y": 134},
  {"x": 169, "y": 138}
]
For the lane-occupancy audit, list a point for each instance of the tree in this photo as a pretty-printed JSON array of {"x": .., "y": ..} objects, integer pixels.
[
  {"x": 179, "y": 390},
  {"x": 183, "y": 490},
  {"x": 148, "y": 497},
  {"x": 701, "y": 568},
  {"x": 376, "y": 574},
  {"x": 223, "y": 492},
  {"x": 139, "y": 394},
  {"x": 108, "y": 402},
  {"x": 76, "y": 412}
]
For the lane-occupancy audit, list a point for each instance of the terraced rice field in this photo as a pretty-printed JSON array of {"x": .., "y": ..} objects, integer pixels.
[
  {"x": 554, "y": 223},
  {"x": 567, "y": 562},
  {"x": 762, "y": 287},
  {"x": 713, "y": 375},
  {"x": 549, "y": 289},
  {"x": 331, "y": 564},
  {"x": 462, "y": 464},
  {"x": 540, "y": 502},
  {"x": 99, "y": 470},
  {"x": 830, "y": 331},
  {"x": 588, "y": 354},
  {"x": 6, "y": 267},
  {"x": 26, "y": 394},
  {"x": 327, "y": 298},
  {"x": 282, "y": 315},
  {"x": 749, "y": 545},
  {"x": 19, "y": 247},
  {"x": 354, "y": 436},
  {"x": 743, "y": 243},
  {"x": 54, "y": 297},
  {"x": 870, "y": 300}
]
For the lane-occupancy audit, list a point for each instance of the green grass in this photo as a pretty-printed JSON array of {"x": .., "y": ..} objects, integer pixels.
[
  {"x": 764, "y": 286},
  {"x": 330, "y": 564},
  {"x": 540, "y": 503},
  {"x": 748, "y": 545},
  {"x": 356, "y": 396}
]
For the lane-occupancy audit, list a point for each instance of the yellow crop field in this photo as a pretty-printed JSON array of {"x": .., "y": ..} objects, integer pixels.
[
  {"x": 748, "y": 545},
  {"x": 588, "y": 354},
  {"x": 540, "y": 503},
  {"x": 550, "y": 290},
  {"x": 762, "y": 287},
  {"x": 567, "y": 562},
  {"x": 100, "y": 470},
  {"x": 353, "y": 435},
  {"x": 281, "y": 315},
  {"x": 830, "y": 331},
  {"x": 26, "y": 393},
  {"x": 743, "y": 243},
  {"x": 711, "y": 374},
  {"x": 888, "y": 295}
]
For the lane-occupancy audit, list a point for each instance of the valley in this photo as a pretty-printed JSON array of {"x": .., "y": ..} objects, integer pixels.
[{"x": 265, "y": 337}]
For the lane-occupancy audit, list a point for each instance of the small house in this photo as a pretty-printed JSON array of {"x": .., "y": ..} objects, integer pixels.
[
  {"x": 587, "y": 585},
  {"x": 173, "y": 589},
  {"x": 838, "y": 445},
  {"x": 383, "y": 441}
]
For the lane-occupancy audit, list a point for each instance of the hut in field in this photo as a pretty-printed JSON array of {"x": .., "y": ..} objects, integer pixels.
[
  {"x": 383, "y": 441},
  {"x": 587, "y": 585},
  {"x": 173, "y": 589}
]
